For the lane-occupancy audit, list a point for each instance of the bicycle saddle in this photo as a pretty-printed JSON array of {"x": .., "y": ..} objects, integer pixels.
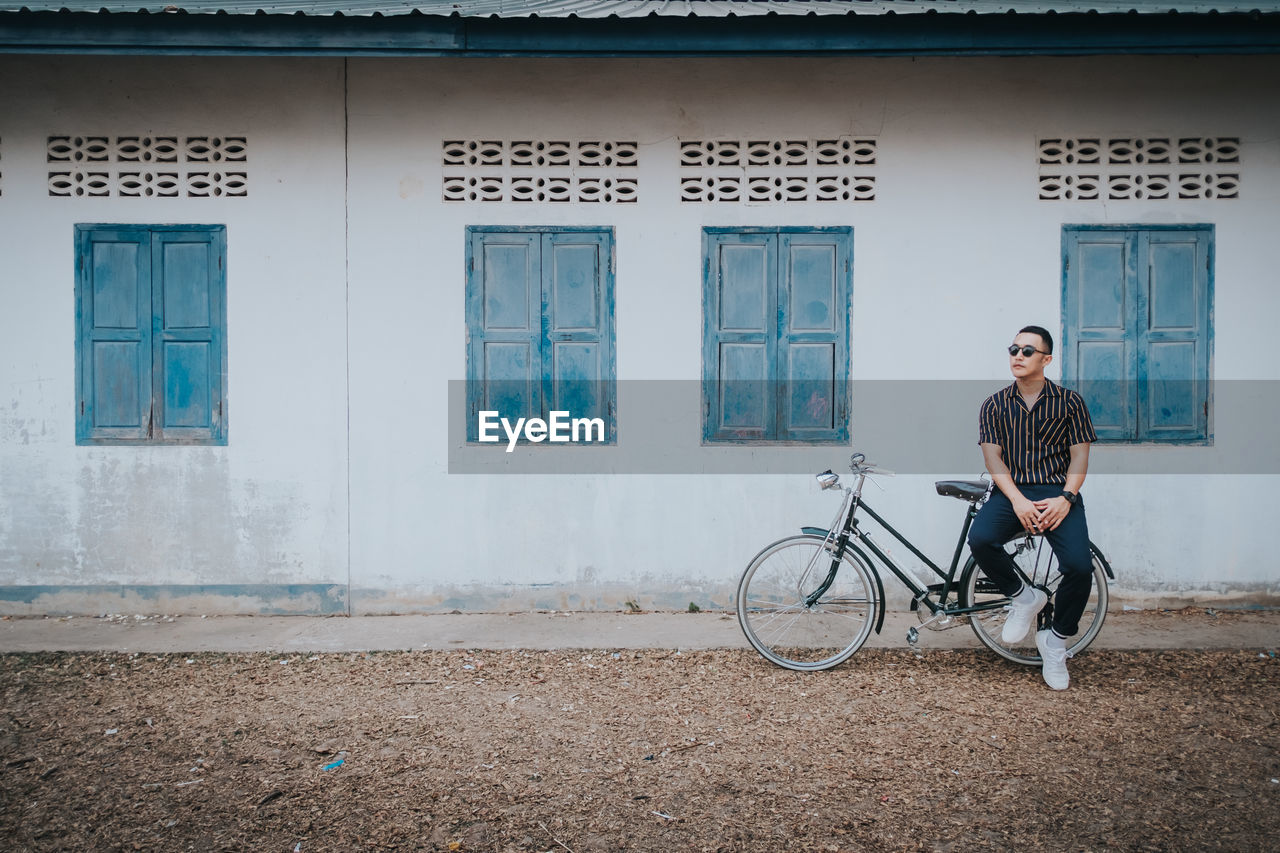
[{"x": 966, "y": 490}]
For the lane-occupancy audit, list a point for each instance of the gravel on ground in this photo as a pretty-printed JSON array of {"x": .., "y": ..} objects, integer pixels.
[{"x": 646, "y": 750}]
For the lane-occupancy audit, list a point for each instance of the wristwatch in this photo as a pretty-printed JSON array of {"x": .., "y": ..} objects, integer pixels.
[{"x": 1072, "y": 497}]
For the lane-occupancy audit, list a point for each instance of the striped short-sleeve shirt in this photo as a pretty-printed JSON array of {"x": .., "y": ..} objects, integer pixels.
[{"x": 1036, "y": 442}]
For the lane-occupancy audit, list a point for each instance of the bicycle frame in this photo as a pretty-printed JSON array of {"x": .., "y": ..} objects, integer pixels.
[
  {"x": 845, "y": 526},
  {"x": 808, "y": 602}
]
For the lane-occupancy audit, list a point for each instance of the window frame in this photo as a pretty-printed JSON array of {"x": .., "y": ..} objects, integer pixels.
[
  {"x": 607, "y": 329},
  {"x": 840, "y": 434},
  {"x": 1138, "y": 292},
  {"x": 87, "y": 434}
]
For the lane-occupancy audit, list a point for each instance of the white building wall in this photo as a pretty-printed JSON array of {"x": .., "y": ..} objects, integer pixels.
[
  {"x": 268, "y": 509},
  {"x": 346, "y": 323}
]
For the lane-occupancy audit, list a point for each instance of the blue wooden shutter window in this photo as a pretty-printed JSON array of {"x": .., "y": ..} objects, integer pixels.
[
  {"x": 1101, "y": 308},
  {"x": 150, "y": 315},
  {"x": 577, "y": 362},
  {"x": 1173, "y": 342},
  {"x": 812, "y": 338},
  {"x": 1137, "y": 309},
  {"x": 540, "y": 324},
  {"x": 504, "y": 324},
  {"x": 187, "y": 305},
  {"x": 740, "y": 338},
  {"x": 775, "y": 334},
  {"x": 114, "y": 319}
]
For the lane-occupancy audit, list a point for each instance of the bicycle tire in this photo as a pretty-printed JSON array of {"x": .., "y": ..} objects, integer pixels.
[
  {"x": 772, "y": 611},
  {"x": 1039, "y": 564}
]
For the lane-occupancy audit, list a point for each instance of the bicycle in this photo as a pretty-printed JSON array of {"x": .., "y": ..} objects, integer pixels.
[{"x": 808, "y": 602}]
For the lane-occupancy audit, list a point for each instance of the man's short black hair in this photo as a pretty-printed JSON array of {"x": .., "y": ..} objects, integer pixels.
[{"x": 1043, "y": 333}]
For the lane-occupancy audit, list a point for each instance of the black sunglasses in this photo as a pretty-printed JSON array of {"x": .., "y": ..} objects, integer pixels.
[{"x": 1026, "y": 351}]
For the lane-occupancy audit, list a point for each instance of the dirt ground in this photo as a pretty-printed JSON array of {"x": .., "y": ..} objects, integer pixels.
[{"x": 637, "y": 750}]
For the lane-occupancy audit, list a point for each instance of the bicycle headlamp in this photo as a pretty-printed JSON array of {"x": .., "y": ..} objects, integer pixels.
[{"x": 828, "y": 480}]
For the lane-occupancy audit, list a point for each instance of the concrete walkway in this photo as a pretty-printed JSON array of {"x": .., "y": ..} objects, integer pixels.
[{"x": 1148, "y": 629}]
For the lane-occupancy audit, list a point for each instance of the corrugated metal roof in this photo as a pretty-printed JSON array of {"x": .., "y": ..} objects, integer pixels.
[{"x": 633, "y": 8}]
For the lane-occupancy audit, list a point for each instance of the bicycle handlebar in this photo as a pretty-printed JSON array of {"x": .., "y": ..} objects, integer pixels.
[{"x": 858, "y": 464}]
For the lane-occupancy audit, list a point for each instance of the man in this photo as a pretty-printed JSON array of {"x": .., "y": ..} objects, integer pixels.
[{"x": 1035, "y": 438}]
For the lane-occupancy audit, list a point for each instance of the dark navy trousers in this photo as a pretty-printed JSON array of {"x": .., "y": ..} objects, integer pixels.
[{"x": 996, "y": 524}]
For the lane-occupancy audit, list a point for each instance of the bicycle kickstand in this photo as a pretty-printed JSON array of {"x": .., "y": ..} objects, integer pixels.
[
  {"x": 913, "y": 639},
  {"x": 1044, "y": 619},
  {"x": 913, "y": 633}
]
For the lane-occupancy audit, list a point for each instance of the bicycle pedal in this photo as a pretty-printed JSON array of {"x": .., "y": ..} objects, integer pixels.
[{"x": 913, "y": 637}]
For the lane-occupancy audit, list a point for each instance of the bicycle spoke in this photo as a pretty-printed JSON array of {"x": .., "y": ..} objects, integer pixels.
[
  {"x": 782, "y": 630},
  {"x": 779, "y": 622},
  {"x": 1040, "y": 565},
  {"x": 768, "y": 620}
]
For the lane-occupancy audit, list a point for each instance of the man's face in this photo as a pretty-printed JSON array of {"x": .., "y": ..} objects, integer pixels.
[{"x": 1028, "y": 366}]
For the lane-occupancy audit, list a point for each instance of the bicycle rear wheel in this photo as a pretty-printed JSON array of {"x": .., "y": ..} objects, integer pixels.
[
  {"x": 1041, "y": 565},
  {"x": 787, "y": 631}
]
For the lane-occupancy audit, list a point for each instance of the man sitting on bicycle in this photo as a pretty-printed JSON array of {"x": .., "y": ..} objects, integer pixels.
[{"x": 1035, "y": 438}]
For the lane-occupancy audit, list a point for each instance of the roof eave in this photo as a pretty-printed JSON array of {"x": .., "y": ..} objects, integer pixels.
[{"x": 428, "y": 35}]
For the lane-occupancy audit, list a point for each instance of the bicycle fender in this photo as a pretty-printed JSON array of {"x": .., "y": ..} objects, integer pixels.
[
  {"x": 1106, "y": 564},
  {"x": 879, "y": 585},
  {"x": 823, "y": 532}
]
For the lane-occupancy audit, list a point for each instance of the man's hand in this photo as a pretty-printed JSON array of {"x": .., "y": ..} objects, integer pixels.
[
  {"x": 1028, "y": 513},
  {"x": 1050, "y": 512}
]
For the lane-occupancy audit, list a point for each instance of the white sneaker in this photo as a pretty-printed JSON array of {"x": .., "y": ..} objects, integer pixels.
[
  {"x": 1023, "y": 609},
  {"x": 1053, "y": 651}
]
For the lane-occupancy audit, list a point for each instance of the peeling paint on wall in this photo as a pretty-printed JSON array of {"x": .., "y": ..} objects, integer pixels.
[{"x": 174, "y": 599}]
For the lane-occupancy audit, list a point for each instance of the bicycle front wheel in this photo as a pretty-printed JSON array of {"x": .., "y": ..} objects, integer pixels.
[
  {"x": 787, "y": 623},
  {"x": 1041, "y": 565}
]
